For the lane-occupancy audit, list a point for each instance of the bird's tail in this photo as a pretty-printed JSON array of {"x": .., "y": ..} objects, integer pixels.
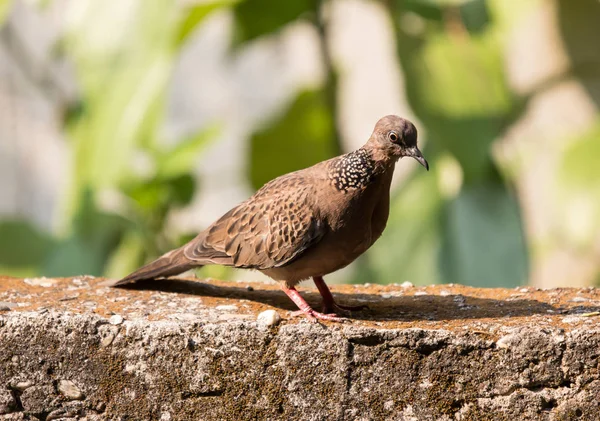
[{"x": 171, "y": 263}]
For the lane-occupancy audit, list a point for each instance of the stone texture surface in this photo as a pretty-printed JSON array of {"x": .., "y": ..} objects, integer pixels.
[{"x": 193, "y": 350}]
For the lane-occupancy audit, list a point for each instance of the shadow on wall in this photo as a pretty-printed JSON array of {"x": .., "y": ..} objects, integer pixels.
[{"x": 402, "y": 308}]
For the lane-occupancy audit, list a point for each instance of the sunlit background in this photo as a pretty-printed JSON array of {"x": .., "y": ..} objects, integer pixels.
[{"x": 127, "y": 126}]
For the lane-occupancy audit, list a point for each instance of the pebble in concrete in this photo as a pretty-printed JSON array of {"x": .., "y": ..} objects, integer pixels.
[
  {"x": 268, "y": 318},
  {"x": 69, "y": 390},
  {"x": 115, "y": 319},
  {"x": 22, "y": 385}
]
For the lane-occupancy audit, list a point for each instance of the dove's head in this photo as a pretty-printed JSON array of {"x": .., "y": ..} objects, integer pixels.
[{"x": 395, "y": 137}]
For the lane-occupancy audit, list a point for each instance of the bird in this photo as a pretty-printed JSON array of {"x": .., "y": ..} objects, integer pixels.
[{"x": 305, "y": 224}]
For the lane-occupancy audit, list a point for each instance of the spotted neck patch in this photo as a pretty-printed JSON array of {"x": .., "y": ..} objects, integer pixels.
[{"x": 351, "y": 171}]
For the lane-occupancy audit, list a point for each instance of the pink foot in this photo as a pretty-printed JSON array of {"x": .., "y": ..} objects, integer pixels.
[
  {"x": 314, "y": 316},
  {"x": 306, "y": 310},
  {"x": 329, "y": 305}
]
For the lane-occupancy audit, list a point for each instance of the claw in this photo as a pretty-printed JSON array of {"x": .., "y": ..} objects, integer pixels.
[
  {"x": 314, "y": 316},
  {"x": 306, "y": 310},
  {"x": 329, "y": 304}
]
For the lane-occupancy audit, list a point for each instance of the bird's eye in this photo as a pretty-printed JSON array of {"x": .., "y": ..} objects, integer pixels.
[{"x": 393, "y": 136}]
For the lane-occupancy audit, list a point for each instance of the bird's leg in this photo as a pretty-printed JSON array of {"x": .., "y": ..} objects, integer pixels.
[
  {"x": 306, "y": 309},
  {"x": 329, "y": 304}
]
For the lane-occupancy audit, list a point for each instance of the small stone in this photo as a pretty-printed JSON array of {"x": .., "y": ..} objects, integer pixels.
[
  {"x": 386, "y": 295},
  {"x": 504, "y": 342},
  {"x": 40, "y": 282},
  {"x": 115, "y": 319},
  {"x": 22, "y": 385},
  {"x": 579, "y": 299},
  {"x": 249, "y": 288},
  {"x": 225, "y": 307},
  {"x": 407, "y": 284},
  {"x": 524, "y": 290},
  {"x": 69, "y": 390},
  {"x": 165, "y": 416},
  {"x": 418, "y": 293},
  {"x": 445, "y": 293},
  {"x": 107, "y": 340},
  {"x": 268, "y": 318}
]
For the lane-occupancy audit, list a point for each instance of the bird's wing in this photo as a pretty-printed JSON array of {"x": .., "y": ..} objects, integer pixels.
[{"x": 271, "y": 229}]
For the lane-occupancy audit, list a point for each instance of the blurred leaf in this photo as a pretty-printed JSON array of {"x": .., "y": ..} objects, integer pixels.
[
  {"x": 4, "y": 9},
  {"x": 579, "y": 165},
  {"x": 127, "y": 257},
  {"x": 578, "y": 25},
  {"x": 216, "y": 272},
  {"x": 195, "y": 14},
  {"x": 472, "y": 152},
  {"x": 23, "y": 247},
  {"x": 94, "y": 225},
  {"x": 460, "y": 78},
  {"x": 408, "y": 248},
  {"x": 255, "y": 18},
  {"x": 303, "y": 136},
  {"x": 182, "y": 189},
  {"x": 182, "y": 158},
  {"x": 423, "y": 8},
  {"x": 457, "y": 88},
  {"x": 108, "y": 132},
  {"x": 159, "y": 193},
  {"x": 483, "y": 241},
  {"x": 147, "y": 195},
  {"x": 95, "y": 235},
  {"x": 475, "y": 15},
  {"x": 578, "y": 192},
  {"x": 75, "y": 257}
]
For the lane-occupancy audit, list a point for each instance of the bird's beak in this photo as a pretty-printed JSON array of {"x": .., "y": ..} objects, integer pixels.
[{"x": 416, "y": 153}]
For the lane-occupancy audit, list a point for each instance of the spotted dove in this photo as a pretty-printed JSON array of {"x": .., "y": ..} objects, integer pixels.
[{"x": 306, "y": 223}]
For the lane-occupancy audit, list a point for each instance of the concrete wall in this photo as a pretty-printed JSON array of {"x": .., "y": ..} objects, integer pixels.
[{"x": 183, "y": 350}]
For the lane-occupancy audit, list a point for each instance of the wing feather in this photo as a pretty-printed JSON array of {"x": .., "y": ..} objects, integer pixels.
[{"x": 271, "y": 229}]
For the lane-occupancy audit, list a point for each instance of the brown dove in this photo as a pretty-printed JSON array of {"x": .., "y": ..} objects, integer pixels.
[{"x": 304, "y": 224}]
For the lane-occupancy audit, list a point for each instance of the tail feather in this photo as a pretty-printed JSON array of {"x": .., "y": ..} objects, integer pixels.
[{"x": 171, "y": 263}]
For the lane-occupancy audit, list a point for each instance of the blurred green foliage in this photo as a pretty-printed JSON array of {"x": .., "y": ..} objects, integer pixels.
[
  {"x": 459, "y": 223},
  {"x": 301, "y": 137},
  {"x": 123, "y": 73}
]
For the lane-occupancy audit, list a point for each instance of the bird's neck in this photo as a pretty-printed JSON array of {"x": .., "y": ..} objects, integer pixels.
[{"x": 355, "y": 170}]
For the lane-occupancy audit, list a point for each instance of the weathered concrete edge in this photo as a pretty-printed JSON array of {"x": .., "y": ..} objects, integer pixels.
[{"x": 59, "y": 365}]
